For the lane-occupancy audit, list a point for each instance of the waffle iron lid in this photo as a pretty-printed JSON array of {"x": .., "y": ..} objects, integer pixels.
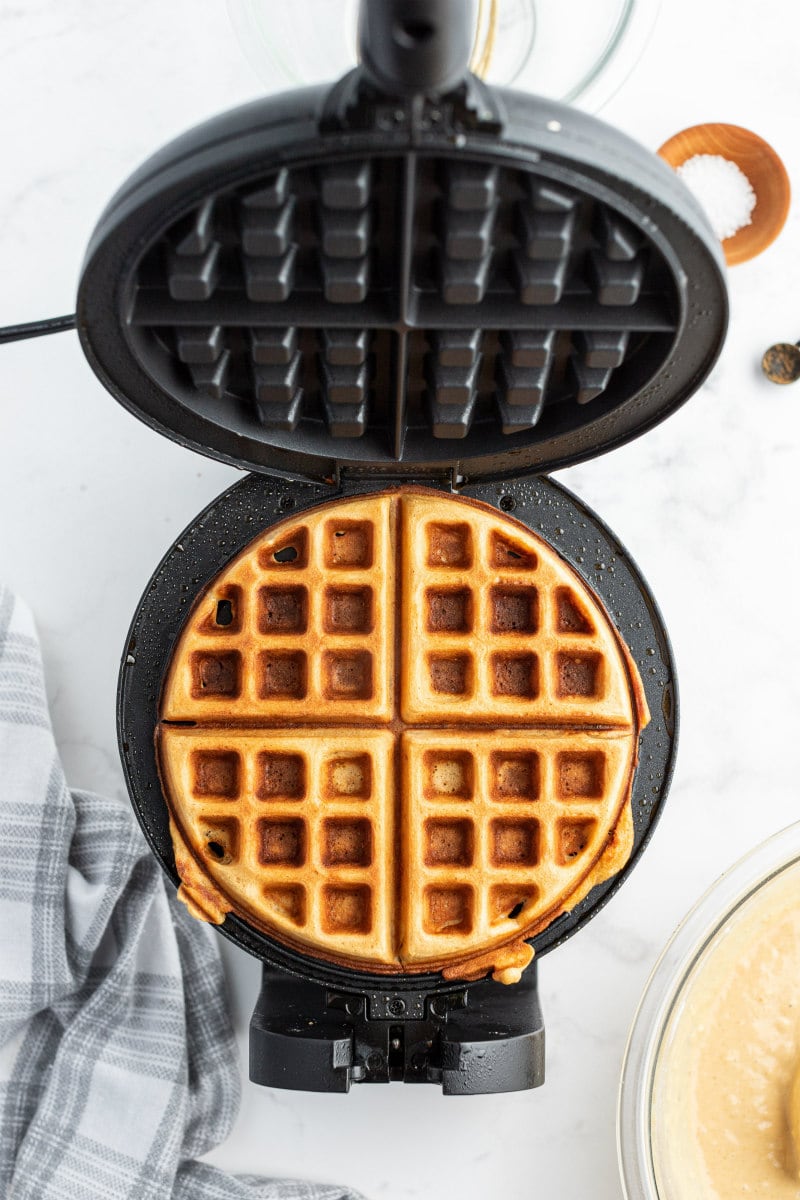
[{"x": 403, "y": 275}]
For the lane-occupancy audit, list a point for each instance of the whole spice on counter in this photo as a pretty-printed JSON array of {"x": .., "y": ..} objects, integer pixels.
[
  {"x": 723, "y": 190},
  {"x": 781, "y": 363}
]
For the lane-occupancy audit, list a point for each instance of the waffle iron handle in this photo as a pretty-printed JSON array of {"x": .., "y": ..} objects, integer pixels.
[{"x": 415, "y": 46}]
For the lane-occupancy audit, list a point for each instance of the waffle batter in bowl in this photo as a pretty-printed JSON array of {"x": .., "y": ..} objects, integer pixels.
[
  {"x": 399, "y": 732},
  {"x": 729, "y": 1058},
  {"x": 707, "y": 1109}
]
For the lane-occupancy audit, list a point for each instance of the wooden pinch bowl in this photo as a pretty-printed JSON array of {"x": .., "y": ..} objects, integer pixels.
[{"x": 762, "y": 166}]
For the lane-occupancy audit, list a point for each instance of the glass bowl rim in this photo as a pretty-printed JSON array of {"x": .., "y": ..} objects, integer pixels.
[{"x": 663, "y": 989}]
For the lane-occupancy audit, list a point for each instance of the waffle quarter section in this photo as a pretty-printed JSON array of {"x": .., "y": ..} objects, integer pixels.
[
  {"x": 297, "y": 830},
  {"x": 498, "y": 628},
  {"x": 298, "y": 629},
  {"x": 500, "y": 828}
]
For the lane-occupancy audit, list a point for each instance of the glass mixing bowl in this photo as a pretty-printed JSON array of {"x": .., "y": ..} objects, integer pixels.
[
  {"x": 577, "y": 51},
  {"x": 638, "y": 1110}
]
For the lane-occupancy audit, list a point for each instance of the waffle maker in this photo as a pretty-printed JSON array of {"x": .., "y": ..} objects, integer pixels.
[{"x": 406, "y": 277}]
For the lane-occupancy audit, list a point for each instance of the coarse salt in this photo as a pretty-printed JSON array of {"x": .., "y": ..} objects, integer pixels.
[{"x": 723, "y": 190}]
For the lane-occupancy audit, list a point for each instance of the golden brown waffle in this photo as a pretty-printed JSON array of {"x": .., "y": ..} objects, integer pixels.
[{"x": 414, "y": 732}]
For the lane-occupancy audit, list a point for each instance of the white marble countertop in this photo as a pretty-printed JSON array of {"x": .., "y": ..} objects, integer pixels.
[{"x": 707, "y": 504}]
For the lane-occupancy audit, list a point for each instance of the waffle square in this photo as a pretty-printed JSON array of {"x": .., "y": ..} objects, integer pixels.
[
  {"x": 503, "y": 635},
  {"x": 495, "y": 824},
  {"x": 297, "y": 828},
  {"x": 301, "y": 629}
]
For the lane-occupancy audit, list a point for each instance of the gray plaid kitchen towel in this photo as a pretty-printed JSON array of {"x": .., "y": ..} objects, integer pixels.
[{"x": 117, "y": 1057}]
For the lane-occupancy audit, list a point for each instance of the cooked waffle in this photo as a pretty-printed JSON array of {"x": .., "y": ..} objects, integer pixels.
[{"x": 413, "y": 736}]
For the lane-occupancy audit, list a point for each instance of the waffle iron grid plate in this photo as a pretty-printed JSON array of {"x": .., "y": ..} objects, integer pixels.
[{"x": 388, "y": 293}]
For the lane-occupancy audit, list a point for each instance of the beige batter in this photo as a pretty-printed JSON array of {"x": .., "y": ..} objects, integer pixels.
[{"x": 725, "y": 1071}]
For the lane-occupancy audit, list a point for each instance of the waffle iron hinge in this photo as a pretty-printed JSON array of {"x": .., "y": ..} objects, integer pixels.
[
  {"x": 484, "y": 1038},
  {"x": 414, "y": 78},
  {"x": 355, "y": 105}
]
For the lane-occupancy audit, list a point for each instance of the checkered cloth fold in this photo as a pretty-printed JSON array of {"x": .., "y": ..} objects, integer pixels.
[{"x": 118, "y": 1065}]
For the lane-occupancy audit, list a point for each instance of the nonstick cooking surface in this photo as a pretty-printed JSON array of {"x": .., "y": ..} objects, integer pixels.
[
  {"x": 411, "y": 286},
  {"x": 395, "y": 298}
]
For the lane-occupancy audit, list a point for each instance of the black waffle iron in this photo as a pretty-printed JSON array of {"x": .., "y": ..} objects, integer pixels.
[{"x": 406, "y": 277}]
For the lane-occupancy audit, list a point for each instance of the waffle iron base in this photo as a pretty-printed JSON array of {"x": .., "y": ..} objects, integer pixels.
[{"x": 319, "y": 1026}]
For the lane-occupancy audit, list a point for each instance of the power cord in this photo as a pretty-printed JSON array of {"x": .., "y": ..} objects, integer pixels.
[{"x": 18, "y": 333}]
